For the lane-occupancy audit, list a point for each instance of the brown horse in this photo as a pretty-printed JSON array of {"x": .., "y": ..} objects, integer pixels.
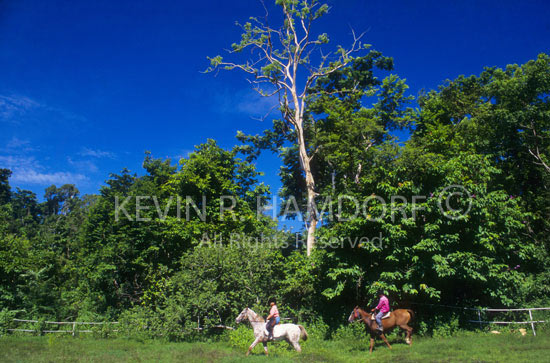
[{"x": 399, "y": 317}]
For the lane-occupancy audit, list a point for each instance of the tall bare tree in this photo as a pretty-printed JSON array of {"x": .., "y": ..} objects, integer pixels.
[{"x": 285, "y": 62}]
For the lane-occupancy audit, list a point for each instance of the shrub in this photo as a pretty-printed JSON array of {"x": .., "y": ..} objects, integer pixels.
[
  {"x": 6, "y": 320},
  {"x": 317, "y": 330},
  {"x": 351, "y": 336},
  {"x": 241, "y": 337},
  {"x": 138, "y": 323},
  {"x": 446, "y": 327}
]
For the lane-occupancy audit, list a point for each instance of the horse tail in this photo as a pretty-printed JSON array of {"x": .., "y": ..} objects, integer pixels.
[
  {"x": 303, "y": 333},
  {"x": 411, "y": 314}
]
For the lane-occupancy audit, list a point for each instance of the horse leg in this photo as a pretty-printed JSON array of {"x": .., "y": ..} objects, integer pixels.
[
  {"x": 385, "y": 340},
  {"x": 256, "y": 341},
  {"x": 371, "y": 344},
  {"x": 265, "y": 347},
  {"x": 297, "y": 346},
  {"x": 409, "y": 331},
  {"x": 293, "y": 340}
]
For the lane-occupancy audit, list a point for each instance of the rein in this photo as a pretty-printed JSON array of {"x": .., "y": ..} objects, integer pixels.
[{"x": 360, "y": 317}]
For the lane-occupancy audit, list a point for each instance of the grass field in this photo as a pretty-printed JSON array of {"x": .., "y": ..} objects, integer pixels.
[{"x": 468, "y": 347}]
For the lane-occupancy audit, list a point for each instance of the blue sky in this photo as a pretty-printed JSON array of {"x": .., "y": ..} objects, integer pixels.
[{"x": 87, "y": 86}]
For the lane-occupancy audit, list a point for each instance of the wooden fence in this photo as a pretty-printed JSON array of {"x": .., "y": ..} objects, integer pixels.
[
  {"x": 73, "y": 331},
  {"x": 75, "y": 324},
  {"x": 531, "y": 321},
  {"x": 479, "y": 321}
]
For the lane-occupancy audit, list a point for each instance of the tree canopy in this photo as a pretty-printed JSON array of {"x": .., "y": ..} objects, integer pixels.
[{"x": 456, "y": 214}]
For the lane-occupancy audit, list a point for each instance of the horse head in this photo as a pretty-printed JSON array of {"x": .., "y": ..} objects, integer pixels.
[
  {"x": 242, "y": 316},
  {"x": 354, "y": 314}
]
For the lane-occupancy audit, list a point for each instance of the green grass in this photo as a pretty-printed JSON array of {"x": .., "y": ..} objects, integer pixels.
[{"x": 466, "y": 347}]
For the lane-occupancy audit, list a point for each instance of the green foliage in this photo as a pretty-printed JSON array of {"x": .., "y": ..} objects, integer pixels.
[
  {"x": 214, "y": 284},
  {"x": 40, "y": 326},
  {"x": 350, "y": 333},
  {"x": 486, "y": 256},
  {"x": 6, "y": 320},
  {"x": 5, "y": 189},
  {"x": 241, "y": 337},
  {"x": 176, "y": 278},
  {"x": 139, "y": 323},
  {"x": 445, "y": 328},
  {"x": 317, "y": 330}
]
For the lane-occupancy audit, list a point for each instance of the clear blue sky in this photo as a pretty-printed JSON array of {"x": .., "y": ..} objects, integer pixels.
[{"x": 87, "y": 86}]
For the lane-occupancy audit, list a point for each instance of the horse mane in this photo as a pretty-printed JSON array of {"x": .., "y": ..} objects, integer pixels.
[
  {"x": 365, "y": 316},
  {"x": 257, "y": 316},
  {"x": 362, "y": 311}
]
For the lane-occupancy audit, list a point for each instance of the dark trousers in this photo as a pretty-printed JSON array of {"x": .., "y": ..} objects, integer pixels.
[{"x": 271, "y": 323}]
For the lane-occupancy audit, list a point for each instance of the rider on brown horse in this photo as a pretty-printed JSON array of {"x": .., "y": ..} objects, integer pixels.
[
  {"x": 383, "y": 307},
  {"x": 399, "y": 317}
]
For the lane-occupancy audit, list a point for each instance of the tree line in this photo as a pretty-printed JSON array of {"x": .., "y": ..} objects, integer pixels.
[{"x": 70, "y": 257}]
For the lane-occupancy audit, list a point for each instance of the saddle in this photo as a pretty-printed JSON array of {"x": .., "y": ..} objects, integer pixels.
[
  {"x": 272, "y": 328},
  {"x": 385, "y": 316}
]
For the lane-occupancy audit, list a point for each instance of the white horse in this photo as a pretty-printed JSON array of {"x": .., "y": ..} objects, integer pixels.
[{"x": 290, "y": 332}]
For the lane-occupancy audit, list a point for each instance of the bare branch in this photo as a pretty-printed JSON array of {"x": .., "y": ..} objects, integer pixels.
[
  {"x": 264, "y": 117},
  {"x": 315, "y": 152},
  {"x": 539, "y": 159},
  {"x": 536, "y": 153}
]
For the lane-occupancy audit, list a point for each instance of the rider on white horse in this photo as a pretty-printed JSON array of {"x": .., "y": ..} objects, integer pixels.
[
  {"x": 292, "y": 333},
  {"x": 273, "y": 318}
]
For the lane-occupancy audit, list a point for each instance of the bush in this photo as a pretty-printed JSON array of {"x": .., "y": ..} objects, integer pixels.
[
  {"x": 445, "y": 328},
  {"x": 442, "y": 322},
  {"x": 317, "y": 330},
  {"x": 139, "y": 323},
  {"x": 104, "y": 330},
  {"x": 351, "y": 336},
  {"x": 241, "y": 338},
  {"x": 6, "y": 320},
  {"x": 40, "y": 326}
]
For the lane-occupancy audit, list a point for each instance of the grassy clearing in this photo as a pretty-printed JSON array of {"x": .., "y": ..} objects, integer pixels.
[{"x": 466, "y": 347}]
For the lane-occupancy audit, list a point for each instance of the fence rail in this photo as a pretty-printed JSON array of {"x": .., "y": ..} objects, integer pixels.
[
  {"x": 74, "y": 324},
  {"x": 480, "y": 322},
  {"x": 531, "y": 321}
]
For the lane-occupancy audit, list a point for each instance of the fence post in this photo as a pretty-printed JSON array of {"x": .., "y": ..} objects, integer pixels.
[
  {"x": 479, "y": 318},
  {"x": 74, "y": 328},
  {"x": 532, "y": 323}
]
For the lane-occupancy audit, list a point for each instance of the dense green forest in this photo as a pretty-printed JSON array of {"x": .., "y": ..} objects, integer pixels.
[
  {"x": 89, "y": 257},
  {"x": 457, "y": 215}
]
